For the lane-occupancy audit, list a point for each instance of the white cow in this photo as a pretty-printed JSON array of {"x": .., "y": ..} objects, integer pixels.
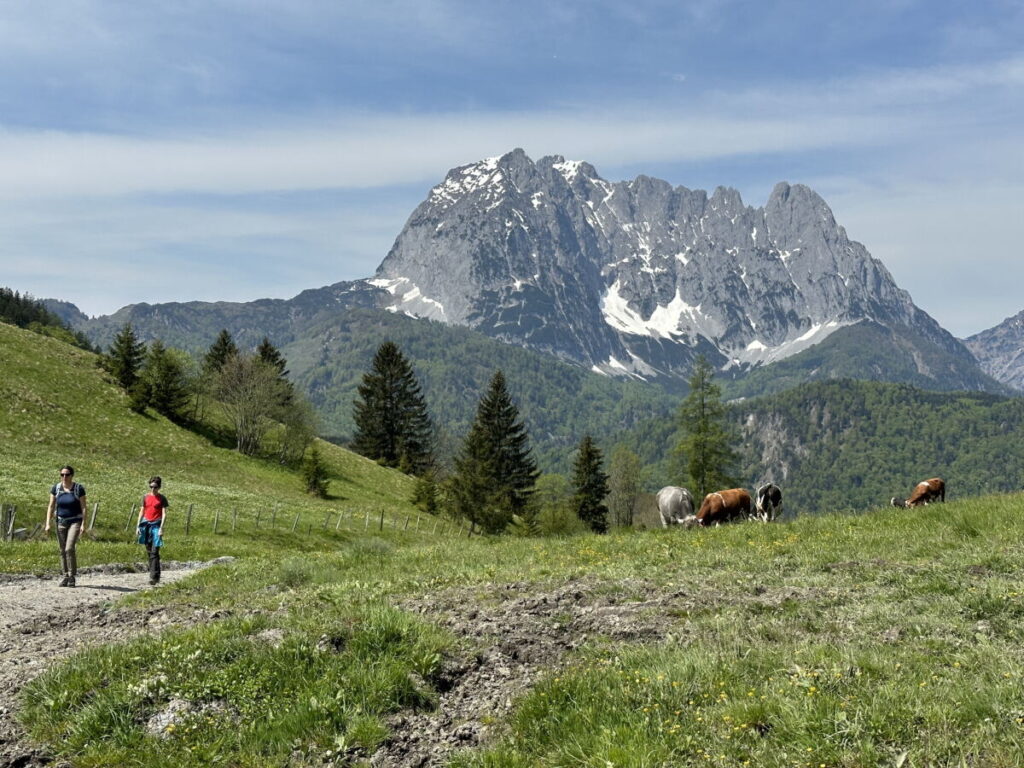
[{"x": 675, "y": 505}]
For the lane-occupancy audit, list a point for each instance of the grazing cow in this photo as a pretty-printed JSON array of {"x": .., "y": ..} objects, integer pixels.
[
  {"x": 768, "y": 502},
  {"x": 924, "y": 492},
  {"x": 675, "y": 505},
  {"x": 723, "y": 506}
]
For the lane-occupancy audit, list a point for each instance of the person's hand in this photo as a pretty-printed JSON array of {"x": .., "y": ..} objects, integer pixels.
[{"x": 47, "y": 528}]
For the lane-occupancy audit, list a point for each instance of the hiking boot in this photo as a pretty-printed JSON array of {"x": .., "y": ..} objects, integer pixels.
[
  {"x": 63, "y": 582},
  {"x": 71, "y": 581},
  {"x": 154, "y": 582}
]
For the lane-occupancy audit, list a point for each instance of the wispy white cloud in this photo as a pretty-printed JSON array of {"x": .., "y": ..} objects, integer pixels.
[{"x": 382, "y": 151}]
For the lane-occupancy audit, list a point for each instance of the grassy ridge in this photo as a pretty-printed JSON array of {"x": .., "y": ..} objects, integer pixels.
[
  {"x": 890, "y": 638},
  {"x": 60, "y": 408}
]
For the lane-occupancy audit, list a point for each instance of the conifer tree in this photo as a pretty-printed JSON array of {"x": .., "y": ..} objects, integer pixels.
[
  {"x": 392, "y": 423},
  {"x": 270, "y": 355},
  {"x": 623, "y": 486},
  {"x": 494, "y": 473},
  {"x": 222, "y": 349},
  {"x": 591, "y": 486},
  {"x": 125, "y": 356},
  {"x": 165, "y": 381},
  {"x": 314, "y": 473},
  {"x": 705, "y": 450}
]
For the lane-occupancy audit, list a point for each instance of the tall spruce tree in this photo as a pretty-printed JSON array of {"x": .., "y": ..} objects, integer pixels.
[
  {"x": 272, "y": 356},
  {"x": 165, "y": 381},
  {"x": 591, "y": 486},
  {"x": 705, "y": 450},
  {"x": 222, "y": 349},
  {"x": 494, "y": 473},
  {"x": 623, "y": 486},
  {"x": 125, "y": 356},
  {"x": 393, "y": 426}
]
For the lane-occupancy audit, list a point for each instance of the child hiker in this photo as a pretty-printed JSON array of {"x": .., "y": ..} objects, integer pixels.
[{"x": 152, "y": 514}]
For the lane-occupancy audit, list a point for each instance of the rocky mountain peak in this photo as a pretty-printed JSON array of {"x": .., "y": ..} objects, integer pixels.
[{"x": 635, "y": 277}]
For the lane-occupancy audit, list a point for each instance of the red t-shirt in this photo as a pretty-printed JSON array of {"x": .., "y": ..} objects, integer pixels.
[{"x": 153, "y": 506}]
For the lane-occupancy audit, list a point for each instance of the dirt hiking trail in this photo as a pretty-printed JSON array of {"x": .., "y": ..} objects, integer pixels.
[{"x": 41, "y": 623}]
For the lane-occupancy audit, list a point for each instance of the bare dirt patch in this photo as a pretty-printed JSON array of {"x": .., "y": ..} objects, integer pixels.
[
  {"x": 41, "y": 623},
  {"x": 510, "y": 642}
]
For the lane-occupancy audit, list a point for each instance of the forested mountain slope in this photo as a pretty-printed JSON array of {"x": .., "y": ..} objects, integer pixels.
[{"x": 852, "y": 445}]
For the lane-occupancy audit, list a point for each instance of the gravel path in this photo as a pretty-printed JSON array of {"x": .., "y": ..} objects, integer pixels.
[{"x": 41, "y": 623}]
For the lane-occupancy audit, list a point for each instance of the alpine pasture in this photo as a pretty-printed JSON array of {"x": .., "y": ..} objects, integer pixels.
[{"x": 889, "y": 638}]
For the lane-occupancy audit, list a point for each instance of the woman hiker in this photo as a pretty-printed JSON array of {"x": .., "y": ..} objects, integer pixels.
[
  {"x": 67, "y": 500},
  {"x": 152, "y": 514}
]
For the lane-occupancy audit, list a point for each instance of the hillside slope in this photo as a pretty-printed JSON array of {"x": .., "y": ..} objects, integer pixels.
[
  {"x": 59, "y": 407},
  {"x": 852, "y": 445}
]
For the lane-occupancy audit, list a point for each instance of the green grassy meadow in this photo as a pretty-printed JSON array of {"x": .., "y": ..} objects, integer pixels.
[
  {"x": 61, "y": 409},
  {"x": 895, "y": 638}
]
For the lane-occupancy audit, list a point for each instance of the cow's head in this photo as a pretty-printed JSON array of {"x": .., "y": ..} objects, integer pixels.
[{"x": 898, "y": 503}]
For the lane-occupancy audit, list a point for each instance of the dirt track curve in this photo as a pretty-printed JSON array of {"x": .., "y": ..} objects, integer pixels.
[{"x": 41, "y": 623}]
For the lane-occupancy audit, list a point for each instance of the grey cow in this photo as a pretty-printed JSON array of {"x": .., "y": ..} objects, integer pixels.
[{"x": 675, "y": 505}]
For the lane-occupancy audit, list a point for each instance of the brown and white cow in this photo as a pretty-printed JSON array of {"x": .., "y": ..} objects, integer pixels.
[
  {"x": 723, "y": 506},
  {"x": 924, "y": 492}
]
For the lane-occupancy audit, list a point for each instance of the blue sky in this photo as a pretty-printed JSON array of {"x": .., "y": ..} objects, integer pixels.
[{"x": 220, "y": 149}]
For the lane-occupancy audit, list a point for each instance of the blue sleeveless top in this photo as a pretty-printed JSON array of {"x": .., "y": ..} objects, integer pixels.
[{"x": 68, "y": 507}]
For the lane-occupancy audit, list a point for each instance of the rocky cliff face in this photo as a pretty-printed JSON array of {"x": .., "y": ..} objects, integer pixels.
[
  {"x": 637, "y": 276},
  {"x": 631, "y": 278},
  {"x": 1000, "y": 351}
]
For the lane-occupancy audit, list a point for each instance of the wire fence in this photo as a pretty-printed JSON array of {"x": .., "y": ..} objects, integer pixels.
[{"x": 16, "y": 525}]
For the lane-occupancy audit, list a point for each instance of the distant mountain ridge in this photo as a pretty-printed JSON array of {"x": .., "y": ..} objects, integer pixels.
[
  {"x": 634, "y": 278},
  {"x": 1000, "y": 351}
]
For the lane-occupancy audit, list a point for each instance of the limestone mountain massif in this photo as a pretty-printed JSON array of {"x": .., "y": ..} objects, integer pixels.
[
  {"x": 638, "y": 277},
  {"x": 1000, "y": 351},
  {"x": 630, "y": 278}
]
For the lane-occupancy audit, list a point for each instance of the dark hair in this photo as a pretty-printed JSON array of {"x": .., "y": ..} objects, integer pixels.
[
  {"x": 69, "y": 468},
  {"x": 156, "y": 479}
]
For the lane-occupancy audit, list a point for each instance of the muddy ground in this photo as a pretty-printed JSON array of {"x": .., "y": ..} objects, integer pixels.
[
  {"x": 509, "y": 637},
  {"x": 41, "y": 623}
]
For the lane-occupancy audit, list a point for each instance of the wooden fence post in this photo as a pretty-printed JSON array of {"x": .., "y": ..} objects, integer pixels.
[
  {"x": 327, "y": 520},
  {"x": 92, "y": 520},
  {"x": 341, "y": 517},
  {"x": 216, "y": 518},
  {"x": 273, "y": 518},
  {"x": 188, "y": 520},
  {"x": 234, "y": 518},
  {"x": 472, "y": 525},
  {"x": 406, "y": 527},
  {"x": 382, "y": 518},
  {"x": 366, "y": 521},
  {"x": 295, "y": 522},
  {"x": 417, "y": 521},
  {"x": 11, "y": 515},
  {"x": 434, "y": 529},
  {"x": 258, "y": 513}
]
